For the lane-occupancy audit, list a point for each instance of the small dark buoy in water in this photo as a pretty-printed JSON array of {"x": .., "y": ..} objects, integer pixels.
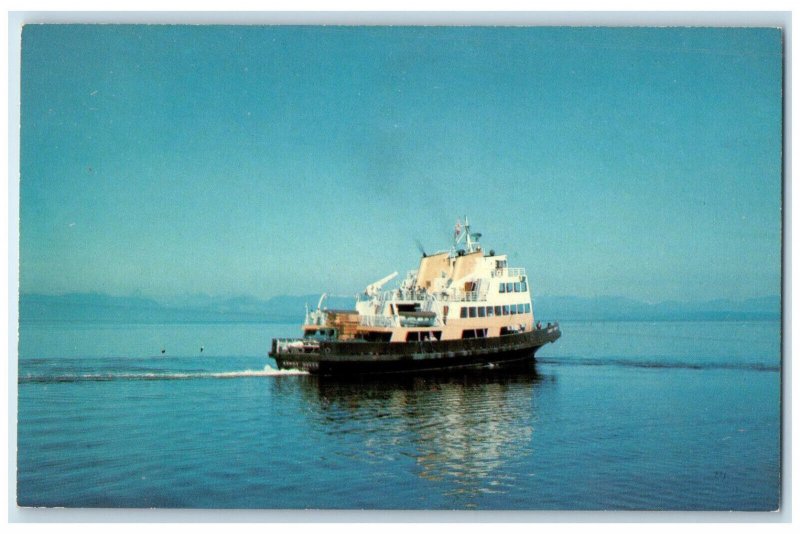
[
  {"x": 163, "y": 351},
  {"x": 201, "y": 349}
]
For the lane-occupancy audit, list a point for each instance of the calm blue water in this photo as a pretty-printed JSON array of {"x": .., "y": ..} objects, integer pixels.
[{"x": 617, "y": 416}]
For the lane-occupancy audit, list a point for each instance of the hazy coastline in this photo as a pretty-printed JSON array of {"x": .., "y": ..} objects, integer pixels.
[{"x": 98, "y": 307}]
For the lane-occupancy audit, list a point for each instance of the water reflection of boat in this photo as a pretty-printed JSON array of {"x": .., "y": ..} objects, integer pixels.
[
  {"x": 462, "y": 308},
  {"x": 464, "y": 429}
]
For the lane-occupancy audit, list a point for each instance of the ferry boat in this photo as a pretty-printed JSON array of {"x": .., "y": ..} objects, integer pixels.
[{"x": 463, "y": 308}]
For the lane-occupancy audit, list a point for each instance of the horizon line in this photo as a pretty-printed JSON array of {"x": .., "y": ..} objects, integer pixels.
[{"x": 317, "y": 294}]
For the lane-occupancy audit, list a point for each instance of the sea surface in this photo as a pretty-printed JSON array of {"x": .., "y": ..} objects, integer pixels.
[{"x": 614, "y": 416}]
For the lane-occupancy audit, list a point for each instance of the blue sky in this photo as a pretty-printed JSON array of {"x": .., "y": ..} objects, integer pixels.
[{"x": 230, "y": 160}]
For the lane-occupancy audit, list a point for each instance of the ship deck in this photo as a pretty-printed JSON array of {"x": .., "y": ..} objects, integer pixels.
[{"x": 361, "y": 357}]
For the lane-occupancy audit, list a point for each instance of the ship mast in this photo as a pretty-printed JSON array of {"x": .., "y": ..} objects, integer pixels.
[
  {"x": 470, "y": 239},
  {"x": 469, "y": 236}
]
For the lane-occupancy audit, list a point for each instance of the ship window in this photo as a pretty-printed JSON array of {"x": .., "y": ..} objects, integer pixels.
[
  {"x": 509, "y": 287},
  {"x": 498, "y": 311},
  {"x": 469, "y": 334},
  {"x": 517, "y": 287},
  {"x": 528, "y": 307},
  {"x": 513, "y": 309},
  {"x": 472, "y": 311},
  {"x": 489, "y": 311},
  {"x": 524, "y": 286},
  {"x": 433, "y": 335},
  {"x": 481, "y": 311},
  {"x": 502, "y": 287},
  {"x": 464, "y": 312},
  {"x": 506, "y": 309}
]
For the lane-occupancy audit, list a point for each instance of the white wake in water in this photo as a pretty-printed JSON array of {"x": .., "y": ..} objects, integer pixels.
[
  {"x": 90, "y": 377},
  {"x": 267, "y": 371}
]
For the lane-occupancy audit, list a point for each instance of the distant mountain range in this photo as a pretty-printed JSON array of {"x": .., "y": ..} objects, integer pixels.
[
  {"x": 623, "y": 309},
  {"x": 97, "y": 307}
]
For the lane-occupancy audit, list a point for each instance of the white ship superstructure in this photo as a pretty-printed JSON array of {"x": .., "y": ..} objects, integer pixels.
[{"x": 460, "y": 293}]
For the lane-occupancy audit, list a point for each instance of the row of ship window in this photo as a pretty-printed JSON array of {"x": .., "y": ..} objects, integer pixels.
[
  {"x": 495, "y": 311},
  {"x": 513, "y": 287}
]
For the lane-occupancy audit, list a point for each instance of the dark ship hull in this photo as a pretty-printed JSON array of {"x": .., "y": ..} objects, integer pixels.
[{"x": 361, "y": 357}]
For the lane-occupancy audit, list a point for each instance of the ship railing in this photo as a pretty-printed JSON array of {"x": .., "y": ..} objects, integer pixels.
[
  {"x": 549, "y": 328},
  {"x": 415, "y": 322},
  {"x": 378, "y": 320},
  {"x": 467, "y": 296},
  {"x": 314, "y": 320},
  {"x": 294, "y": 344},
  {"x": 404, "y": 295}
]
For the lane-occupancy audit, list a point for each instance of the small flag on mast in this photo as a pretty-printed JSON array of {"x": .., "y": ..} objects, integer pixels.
[{"x": 458, "y": 229}]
